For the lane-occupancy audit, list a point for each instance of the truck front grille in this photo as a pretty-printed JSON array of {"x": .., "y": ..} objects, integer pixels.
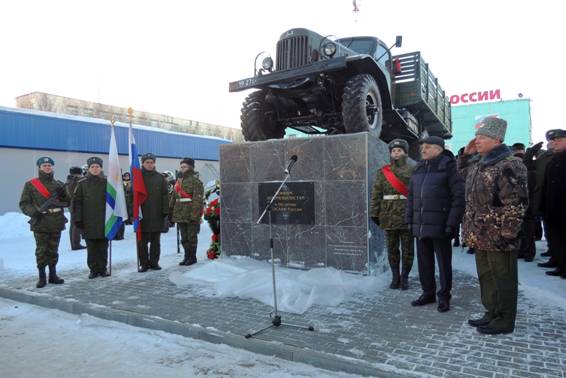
[{"x": 292, "y": 52}]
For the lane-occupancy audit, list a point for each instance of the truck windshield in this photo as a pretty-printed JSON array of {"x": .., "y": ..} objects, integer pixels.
[{"x": 359, "y": 45}]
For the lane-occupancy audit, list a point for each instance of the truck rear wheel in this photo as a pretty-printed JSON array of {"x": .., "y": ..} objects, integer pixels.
[
  {"x": 361, "y": 105},
  {"x": 258, "y": 119}
]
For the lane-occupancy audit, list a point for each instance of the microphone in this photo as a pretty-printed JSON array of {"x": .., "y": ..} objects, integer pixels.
[{"x": 292, "y": 162}]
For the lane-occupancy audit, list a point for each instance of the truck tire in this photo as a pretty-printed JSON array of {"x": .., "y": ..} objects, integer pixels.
[
  {"x": 361, "y": 105},
  {"x": 258, "y": 122}
]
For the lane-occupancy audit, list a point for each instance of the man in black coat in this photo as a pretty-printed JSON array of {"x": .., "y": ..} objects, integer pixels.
[
  {"x": 89, "y": 214},
  {"x": 155, "y": 211},
  {"x": 435, "y": 207},
  {"x": 554, "y": 201}
]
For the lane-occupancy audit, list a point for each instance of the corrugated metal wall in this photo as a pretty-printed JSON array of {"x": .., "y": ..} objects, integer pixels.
[{"x": 49, "y": 131}]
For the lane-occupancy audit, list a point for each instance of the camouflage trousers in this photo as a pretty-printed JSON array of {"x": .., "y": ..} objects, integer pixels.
[
  {"x": 189, "y": 239},
  {"x": 404, "y": 237},
  {"x": 46, "y": 246}
]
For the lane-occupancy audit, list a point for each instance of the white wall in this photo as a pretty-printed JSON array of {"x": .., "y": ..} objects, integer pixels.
[{"x": 18, "y": 166}]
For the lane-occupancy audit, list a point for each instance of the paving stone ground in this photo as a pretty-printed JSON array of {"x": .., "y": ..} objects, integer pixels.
[{"x": 380, "y": 335}]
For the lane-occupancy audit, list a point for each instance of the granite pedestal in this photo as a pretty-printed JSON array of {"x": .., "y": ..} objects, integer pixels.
[{"x": 338, "y": 170}]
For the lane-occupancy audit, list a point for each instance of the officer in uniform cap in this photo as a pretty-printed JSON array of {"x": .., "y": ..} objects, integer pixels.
[
  {"x": 43, "y": 199},
  {"x": 554, "y": 202},
  {"x": 388, "y": 202},
  {"x": 155, "y": 210},
  {"x": 89, "y": 214},
  {"x": 186, "y": 206}
]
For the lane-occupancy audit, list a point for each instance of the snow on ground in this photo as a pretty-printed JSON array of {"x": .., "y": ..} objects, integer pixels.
[
  {"x": 297, "y": 290},
  {"x": 39, "y": 342},
  {"x": 17, "y": 249}
]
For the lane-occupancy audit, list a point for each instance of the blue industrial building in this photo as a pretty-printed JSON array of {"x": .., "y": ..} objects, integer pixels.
[
  {"x": 32, "y": 129},
  {"x": 25, "y": 135}
]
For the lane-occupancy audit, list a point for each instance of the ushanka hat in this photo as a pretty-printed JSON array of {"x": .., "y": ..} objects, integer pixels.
[
  {"x": 94, "y": 160},
  {"x": 399, "y": 143},
  {"x": 493, "y": 128},
  {"x": 44, "y": 160},
  {"x": 148, "y": 156}
]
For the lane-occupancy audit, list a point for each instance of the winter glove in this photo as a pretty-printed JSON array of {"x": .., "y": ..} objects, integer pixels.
[
  {"x": 449, "y": 232},
  {"x": 532, "y": 152},
  {"x": 375, "y": 220}
]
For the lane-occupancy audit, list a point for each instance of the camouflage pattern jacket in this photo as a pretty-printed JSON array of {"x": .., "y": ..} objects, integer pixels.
[
  {"x": 89, "y": 206},
  {"x": 187, "y": 200},
  {"x": 390, "y": 212},
  {"x": 31, "y": 200},
  {"x": 496, "y": 199}
]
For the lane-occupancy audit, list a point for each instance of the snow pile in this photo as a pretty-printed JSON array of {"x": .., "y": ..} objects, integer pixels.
[
  {"x": 297, "y": 290},
  {"x": 13, "y": 225}
]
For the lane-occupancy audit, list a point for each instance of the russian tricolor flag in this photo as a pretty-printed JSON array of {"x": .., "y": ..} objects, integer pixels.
[{"x": 138, "y": 186}]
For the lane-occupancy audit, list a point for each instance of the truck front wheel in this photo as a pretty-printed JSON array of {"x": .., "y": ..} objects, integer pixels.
[
  {"x": 361, "y": 105},
  {"x": 258, "y": 119}
]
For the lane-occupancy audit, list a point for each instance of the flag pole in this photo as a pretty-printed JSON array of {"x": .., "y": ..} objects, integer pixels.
[
  {"x": 130, "y": 116},
  {"x": 110, "y": 241}
]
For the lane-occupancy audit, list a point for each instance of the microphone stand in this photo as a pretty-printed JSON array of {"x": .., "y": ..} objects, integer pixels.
[{"x": 275, "y": 317}]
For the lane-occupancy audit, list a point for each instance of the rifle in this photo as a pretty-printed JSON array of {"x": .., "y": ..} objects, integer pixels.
[{"x": 52, "y": 201}]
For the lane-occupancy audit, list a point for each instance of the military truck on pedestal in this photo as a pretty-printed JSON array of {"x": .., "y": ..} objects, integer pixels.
[{"x": 318, "y": 85}]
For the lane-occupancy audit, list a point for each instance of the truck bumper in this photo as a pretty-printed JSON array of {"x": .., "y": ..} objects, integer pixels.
[{"x": 288, "y": 75}]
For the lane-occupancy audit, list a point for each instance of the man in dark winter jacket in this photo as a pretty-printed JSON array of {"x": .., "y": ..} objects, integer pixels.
[
  {"x": 554, "y": 201},
  {"x": 388, "y": 200},
  {"x": 75, "y": 233},
  {"x": 155, "y": 210},
  {"x": 496, "y": 200},
  {"x": 43, "y": 199},
  {"x": 435, "y": 207},
  {"x": 88, "y": 212}
]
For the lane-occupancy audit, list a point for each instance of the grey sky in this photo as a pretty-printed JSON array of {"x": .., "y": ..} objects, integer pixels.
[{"x": 177, "y": 57}]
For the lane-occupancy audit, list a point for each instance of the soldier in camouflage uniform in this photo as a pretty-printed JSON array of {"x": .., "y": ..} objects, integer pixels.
[
  {"x": 47, "y": 221},
  {"x": 496, "y": 201},
  {"x": 388, "y": 212},
  {"x": 186, "y": 208},
  {"x": 89, "y": 214}
]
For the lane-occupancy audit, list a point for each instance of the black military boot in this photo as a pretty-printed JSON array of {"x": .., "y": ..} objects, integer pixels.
[
  {"x": 395, "y": 279},
  {"x": 484, "y": 320},
  {"x": 185, "y": 260},
  {"x": 42, "y": 281},
  {"x": 404, "y": 280},
  {"x": 53, "y": 276}
]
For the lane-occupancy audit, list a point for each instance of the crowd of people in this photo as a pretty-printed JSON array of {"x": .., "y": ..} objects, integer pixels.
[
  {"x": 496, "y": 195},
  {"x": 168, "y": 201}
]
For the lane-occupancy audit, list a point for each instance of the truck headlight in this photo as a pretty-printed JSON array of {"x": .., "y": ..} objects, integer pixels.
[
  {"x": 329, "y": 49},
  {"x": 267, "y": 64}
]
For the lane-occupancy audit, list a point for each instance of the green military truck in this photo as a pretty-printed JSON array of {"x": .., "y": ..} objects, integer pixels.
[{"x": 319, "y": 85}]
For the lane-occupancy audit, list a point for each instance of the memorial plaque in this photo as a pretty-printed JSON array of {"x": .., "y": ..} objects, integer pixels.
[
  {"x": 293, "y": 205},
  {"x": 321, "y": 218}
]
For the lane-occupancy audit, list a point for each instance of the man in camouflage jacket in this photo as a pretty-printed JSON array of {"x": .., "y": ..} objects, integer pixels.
[
  {"x": 186, "y": 208},
  {"x": 388, "y": 212},
  {"x": 43, "y": 199},
  {"x": 496, "y": 201}
]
